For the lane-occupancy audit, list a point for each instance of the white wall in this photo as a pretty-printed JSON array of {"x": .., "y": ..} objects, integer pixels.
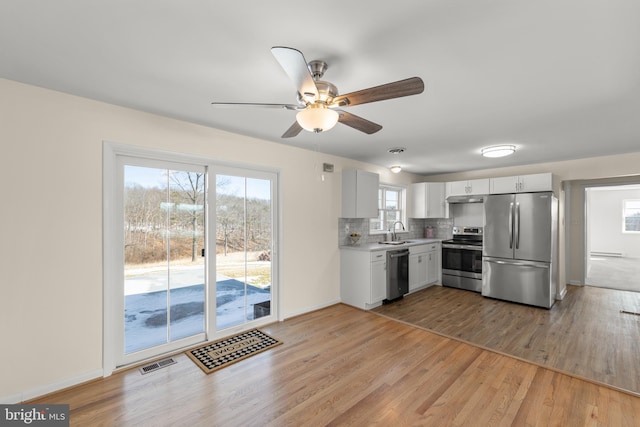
[
  {"x": 51, "y": 225},
  {"x": 606, "y": 222}
]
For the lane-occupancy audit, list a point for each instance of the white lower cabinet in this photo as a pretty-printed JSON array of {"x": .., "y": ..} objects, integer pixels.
[
  {"x": 363, "y": 274},
  {"x": 363, "y": 278},
  {"x": 417, "y": 267},
  {"x": 433, "y": 264},
  {"x": 378, "y": 281},
  {"x": 424, "y": 265}
]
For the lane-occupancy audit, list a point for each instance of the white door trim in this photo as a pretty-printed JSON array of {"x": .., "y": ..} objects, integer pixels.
[{"x": 112, "y": 226}]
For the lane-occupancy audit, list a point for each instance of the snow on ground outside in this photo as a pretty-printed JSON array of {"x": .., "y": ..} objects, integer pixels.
[{"x": 146, "y": 313}]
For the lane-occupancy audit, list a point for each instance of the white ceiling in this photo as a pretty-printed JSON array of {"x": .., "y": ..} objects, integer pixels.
[{"x": 560, "y": 79}]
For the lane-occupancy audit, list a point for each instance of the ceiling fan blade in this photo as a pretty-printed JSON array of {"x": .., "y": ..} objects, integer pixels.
[
  {"x": 411, "y": 86},
  {"x": 259, "y": 105},
  {"x": 294, "y": 64},
  {"x": 357, "y": 122},
  {"x": 294, "y": 130}
]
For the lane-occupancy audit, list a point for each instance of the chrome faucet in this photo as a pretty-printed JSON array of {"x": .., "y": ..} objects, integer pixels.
[{"x": 393, "y": 229}]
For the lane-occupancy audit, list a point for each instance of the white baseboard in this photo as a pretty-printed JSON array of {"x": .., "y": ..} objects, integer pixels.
[
  {"x": 309, "y": 309},
  {"x": 560, "y": 295},
  {"x": 50, "y": 388},
  {"x": 576, "y": 282},
  {"x": 607, "y": 254},
  {"x": 8, "y": 400}
]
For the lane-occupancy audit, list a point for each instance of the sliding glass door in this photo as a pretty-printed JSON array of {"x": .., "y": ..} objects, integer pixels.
[
  {"x": 244, "y": 246},
  {"x": 164, "y": 270},
  {"x": 189, "y": 253}
]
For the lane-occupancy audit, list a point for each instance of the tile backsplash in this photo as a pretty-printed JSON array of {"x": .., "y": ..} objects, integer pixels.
[{"x": 416, "y": 228}]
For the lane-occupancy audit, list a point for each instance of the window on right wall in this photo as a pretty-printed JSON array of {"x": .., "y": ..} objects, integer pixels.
[{"x": 631, "y": 216}]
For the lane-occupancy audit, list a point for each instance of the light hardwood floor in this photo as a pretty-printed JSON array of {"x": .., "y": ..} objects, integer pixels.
[
  {"x": 344, "y": 366},
  {"x": 585, "y": 334}
]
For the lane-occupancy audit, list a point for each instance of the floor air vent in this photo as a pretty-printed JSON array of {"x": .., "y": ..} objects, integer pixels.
[{"x": 156, "y": 365}]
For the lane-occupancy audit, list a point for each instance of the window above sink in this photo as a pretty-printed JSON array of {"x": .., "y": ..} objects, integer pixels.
[{"x": 392, "y": 207}]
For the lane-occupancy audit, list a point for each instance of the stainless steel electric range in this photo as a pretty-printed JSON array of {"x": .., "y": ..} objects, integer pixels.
[{"x": 462, "y": 259}]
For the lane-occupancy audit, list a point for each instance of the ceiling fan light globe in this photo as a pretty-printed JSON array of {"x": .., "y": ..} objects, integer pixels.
[{"x": 317, "y": 118}]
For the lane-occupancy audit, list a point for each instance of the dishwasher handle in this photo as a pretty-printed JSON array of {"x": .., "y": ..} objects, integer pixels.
[{"x": 398, "y": 254}]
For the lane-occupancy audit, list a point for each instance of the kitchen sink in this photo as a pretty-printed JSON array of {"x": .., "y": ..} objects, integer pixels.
[{"x": 397, "y": 242}]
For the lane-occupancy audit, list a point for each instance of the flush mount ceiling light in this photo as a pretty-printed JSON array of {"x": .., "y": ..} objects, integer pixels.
[
  {"x": 396, "y": 150},
  {"x": 498, "y": 150},
  {"x": 317, "y": 118}
]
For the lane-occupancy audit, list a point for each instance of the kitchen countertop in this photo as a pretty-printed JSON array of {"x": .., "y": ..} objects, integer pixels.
[{"x": 370, "y": 247}]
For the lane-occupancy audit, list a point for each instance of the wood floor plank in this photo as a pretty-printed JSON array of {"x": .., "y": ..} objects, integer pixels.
[
  {"x": 344, "y": 366},
  {"x": 585, "y": 334}
]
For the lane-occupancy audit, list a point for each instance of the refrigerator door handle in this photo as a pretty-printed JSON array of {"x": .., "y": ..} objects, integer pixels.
[
  {"x": 511, "y": 225},
  {"x": 519, "y": 264},
  {"x": 517, "y": 226}
]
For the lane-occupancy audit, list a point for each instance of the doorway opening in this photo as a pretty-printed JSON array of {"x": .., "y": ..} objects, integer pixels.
[{"x": 612, "y": 236}]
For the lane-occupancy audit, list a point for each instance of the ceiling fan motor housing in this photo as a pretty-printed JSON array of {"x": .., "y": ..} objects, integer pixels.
[
  {"x": 317, "y": 69},
  {"x": 326, "y": 92}
]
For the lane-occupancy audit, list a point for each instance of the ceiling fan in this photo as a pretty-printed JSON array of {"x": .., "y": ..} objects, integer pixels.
[{"x": 319, "y": 104}]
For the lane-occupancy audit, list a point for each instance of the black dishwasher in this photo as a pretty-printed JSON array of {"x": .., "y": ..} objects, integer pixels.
[{"x": 397, "y": 274}]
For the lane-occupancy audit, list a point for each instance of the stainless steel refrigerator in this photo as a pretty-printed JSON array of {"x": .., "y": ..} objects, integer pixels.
[{"x": 519, "y": 256}]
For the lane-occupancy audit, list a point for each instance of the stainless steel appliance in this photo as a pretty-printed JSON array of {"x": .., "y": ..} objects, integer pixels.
[
  {"x": 520, "y": 248},
  {"x": 462, "y": 259},
  {"x": 397, "y": 274}
]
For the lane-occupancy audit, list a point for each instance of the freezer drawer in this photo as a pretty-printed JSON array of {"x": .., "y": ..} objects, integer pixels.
[{"x": 518, "y": 281}]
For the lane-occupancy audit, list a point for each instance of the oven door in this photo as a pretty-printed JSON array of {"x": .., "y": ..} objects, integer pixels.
[{"x": 462, "y": 260}]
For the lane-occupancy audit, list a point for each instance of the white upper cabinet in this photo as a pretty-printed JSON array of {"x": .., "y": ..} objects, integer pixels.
[
  {"x": 522, "y": 184},
  {"x": 468, "y": 188},
  {"x": 427, "y": 200},
  {"x": 360, "y": 194}
]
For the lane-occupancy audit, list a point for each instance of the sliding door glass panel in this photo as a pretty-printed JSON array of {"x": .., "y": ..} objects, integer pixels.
[
  {"x": 164, "y": 271},
  {"x": 243, "y": 249}
]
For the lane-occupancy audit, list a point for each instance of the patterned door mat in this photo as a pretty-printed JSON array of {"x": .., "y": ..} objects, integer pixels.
[{"x": 218, "y": 354}]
